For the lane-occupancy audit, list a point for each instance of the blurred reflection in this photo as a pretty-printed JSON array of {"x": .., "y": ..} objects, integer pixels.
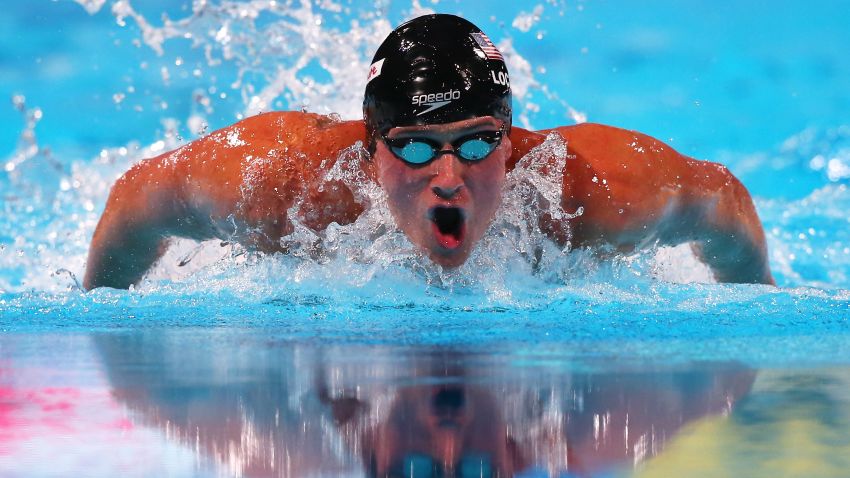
[{"x": 256, "y": 407}]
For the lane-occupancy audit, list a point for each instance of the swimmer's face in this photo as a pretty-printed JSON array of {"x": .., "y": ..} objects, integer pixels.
[
  {"x": 444, "y": 206},
  {"x": 432, "y": 431}
]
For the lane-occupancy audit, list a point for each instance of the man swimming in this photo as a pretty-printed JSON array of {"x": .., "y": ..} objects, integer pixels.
[{"x": 437, "y": 122}]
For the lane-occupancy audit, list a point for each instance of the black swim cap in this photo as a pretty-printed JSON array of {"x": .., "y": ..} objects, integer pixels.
[{"x": 435, "y": 69}]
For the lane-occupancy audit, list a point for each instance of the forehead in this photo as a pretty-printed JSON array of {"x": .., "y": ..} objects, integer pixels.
[{"x": 475, "y": 124}]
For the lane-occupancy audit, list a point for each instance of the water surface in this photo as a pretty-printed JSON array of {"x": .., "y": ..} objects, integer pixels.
[{"x": 528, "y": 361}]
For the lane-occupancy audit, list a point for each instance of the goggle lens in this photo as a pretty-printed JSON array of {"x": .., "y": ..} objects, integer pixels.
[
  {"x": 418, "y": 465},
  {"x": 475, "y": 149},
  {"x": 415, "y": 152}
]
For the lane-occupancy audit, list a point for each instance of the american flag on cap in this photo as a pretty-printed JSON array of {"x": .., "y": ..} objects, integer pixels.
[{"x": 490, "y": 50}]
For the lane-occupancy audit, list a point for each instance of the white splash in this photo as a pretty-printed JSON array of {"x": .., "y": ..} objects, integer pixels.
[
  {"x": 524, "y": 86},
  {"x": 296, "y": 61},
  {"x": 526, "y": 20},
  {"x": 91, "y": 6}
]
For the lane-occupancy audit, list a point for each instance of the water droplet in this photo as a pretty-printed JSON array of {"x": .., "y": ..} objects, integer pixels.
[{"x": 19, "y": 101}]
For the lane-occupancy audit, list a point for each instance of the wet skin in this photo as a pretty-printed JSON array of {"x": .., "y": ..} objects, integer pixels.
[
  {"x": 635, "y": 192},
  {"x": 419, "y": 195}
]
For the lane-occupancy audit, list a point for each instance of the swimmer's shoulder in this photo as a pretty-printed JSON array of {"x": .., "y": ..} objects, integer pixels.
[
  {"x": 293, "y": 129},
  {"x": 286, "y": 138},
  {"x": 277, "y": 148},
  {"x": 591, "y": 144},
  {"x": 593, "y": 140},
  {"x": 605, "y": 148}
]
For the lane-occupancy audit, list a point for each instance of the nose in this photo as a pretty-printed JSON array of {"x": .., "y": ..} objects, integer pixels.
[{"x": 447, "y": 181}]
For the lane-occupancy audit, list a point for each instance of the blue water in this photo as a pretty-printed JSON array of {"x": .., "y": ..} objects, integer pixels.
[{"x": 218, "y": 367}]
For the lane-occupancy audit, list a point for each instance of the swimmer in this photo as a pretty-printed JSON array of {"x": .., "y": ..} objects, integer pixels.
[
  {"x": 448, "y": 421},
  {"x": 438, "y": 128}
]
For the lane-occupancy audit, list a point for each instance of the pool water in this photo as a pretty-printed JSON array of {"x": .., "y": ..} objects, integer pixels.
[{"x": 527, "y": 361}]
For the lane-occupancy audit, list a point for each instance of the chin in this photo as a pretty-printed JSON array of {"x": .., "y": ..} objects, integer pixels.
[{"x": 451, "y": 255}]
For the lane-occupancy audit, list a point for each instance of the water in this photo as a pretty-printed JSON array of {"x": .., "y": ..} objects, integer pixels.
[{"x": 545, "y": 363}]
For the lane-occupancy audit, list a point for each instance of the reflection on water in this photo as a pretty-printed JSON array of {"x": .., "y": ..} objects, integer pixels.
[
  {"x": 202, "y": 402},
  {"x": 247, "y": 405}
]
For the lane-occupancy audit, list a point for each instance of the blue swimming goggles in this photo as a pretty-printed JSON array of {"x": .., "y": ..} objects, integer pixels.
[
  {"x": 418, "y": 465},
  {"x": 419, "y": 151}
]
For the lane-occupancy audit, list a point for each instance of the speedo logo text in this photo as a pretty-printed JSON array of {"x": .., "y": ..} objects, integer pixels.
[{"x": 435, "y": 100}]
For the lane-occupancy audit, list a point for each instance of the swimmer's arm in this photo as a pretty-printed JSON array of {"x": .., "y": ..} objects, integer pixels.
[
  {"x": 198, "y": 192},
  {"x": 637, "y": 192},
  {"x": 185, "y": 193},
  {"x": 719, "y": 221},
  {"x": 718, "y": 217},
  {"x": 143, "y": 210}
]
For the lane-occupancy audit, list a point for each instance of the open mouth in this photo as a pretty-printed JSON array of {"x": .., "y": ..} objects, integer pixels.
[
  {"x": 447, "y": 405},
  {"x": 448, "y": 225}
]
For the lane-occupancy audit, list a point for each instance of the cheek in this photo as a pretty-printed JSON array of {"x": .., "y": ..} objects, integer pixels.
[
  {"x": 489, "y": 184},
  {"x": 396, "y": 184},
  {"x": 390, "y": 177},
  {"x": 401, "y": 190}
]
